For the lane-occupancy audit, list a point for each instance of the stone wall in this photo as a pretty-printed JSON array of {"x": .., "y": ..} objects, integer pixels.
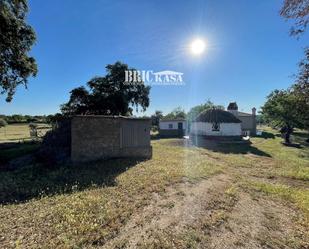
[{"x": 102, "y": 137}]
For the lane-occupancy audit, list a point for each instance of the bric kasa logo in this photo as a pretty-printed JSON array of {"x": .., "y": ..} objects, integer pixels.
[{"x": 153, "y": 78}]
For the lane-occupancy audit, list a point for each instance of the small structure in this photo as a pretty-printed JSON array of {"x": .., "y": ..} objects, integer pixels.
[
  {"x": 101, "y": 137},
  {"x": 248, "y": 121},
  {"x": 172, "y": 127},
  {"x": 216, "y": 123}
]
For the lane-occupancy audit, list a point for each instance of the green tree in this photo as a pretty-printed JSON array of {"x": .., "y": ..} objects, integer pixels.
[
  {"x": 177, "y": 113},
  {"x": 3, "y": 123},
  {"x": 297, "y": 10},
  {"x": 196, "y": 110},
  {"x": 17, "y": 118},
  {"x": 279, "y": 110},
  {"x": 108, "y": 95},
  {"x": 16, "y": 40},
  {"x": 260, "y": 119},
  {"x": 301, "y": 91},
  {"x": 155, "y": 118}
]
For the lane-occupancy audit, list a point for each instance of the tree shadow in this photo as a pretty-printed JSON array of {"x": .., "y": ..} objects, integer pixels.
[
  {"x": 298, "y": 139},
  {"x": 12, "y": 150},
  {"x": 229, "y": 147},
  {"x": 292, "y": 145},
  {"x": 302, "y": 138},
  {"x": 35, "y": 180},
  {"x": 267, "y": 135}
]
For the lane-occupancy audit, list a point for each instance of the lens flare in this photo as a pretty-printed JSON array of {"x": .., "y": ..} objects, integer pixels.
[{"x": 198, "y": 46}]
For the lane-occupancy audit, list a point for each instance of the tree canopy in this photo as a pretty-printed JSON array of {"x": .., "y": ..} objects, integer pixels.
[
  {"x": 301, "y": 91},
  {"x": 108, "y": 95},
  {"x": 16, "y": 40},
  {"x": 155, "y": 118},
  {"x": 196, "y": 110},
  {"x": 279, "y": 110},
  {"x": 297, "y": 10},
  {"x": 3, "y": 123},
  {"x": 177, "y": 113}
]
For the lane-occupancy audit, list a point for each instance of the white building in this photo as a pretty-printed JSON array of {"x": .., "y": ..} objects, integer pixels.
[
  {"x": 216, "y": 122},
  {"x": 172, "y": 127}
]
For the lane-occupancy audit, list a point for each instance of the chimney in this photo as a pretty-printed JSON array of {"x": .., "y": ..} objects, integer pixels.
[
  {"x": 253, "y": 111},
  {"x": 233, "y": 108}
]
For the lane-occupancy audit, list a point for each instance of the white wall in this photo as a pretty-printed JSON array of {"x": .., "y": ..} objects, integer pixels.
[
  {"x": 164, "y": 125},
  {"x": 226, "y": 129}
]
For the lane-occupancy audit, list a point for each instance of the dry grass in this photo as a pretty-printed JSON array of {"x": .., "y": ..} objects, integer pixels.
[
  {"x": 91, "y": 211},
  {"x": 94, "y": 215},
  {"x": 14, "y": 132},
  {"x": 18, "y": 132}
]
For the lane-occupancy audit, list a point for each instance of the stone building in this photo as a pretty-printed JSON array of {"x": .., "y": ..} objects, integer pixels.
[{"x": 100, "y": 137}]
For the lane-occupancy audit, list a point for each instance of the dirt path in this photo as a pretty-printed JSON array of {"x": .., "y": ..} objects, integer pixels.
[
  {"x": 181, "y": 205},
  {"x": 211, "y": 213},
  {"x": 256, "y": 223}
]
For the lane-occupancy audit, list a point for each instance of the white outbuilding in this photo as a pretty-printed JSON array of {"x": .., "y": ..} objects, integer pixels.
[
  {"x": 172, "y": 127},
  {"x": 216, "y": 122}
]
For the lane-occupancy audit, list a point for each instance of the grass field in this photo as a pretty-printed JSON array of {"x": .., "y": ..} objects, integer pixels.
[
  {"x": 14, "y": 132},
  {"x": 233, "y": 196},
  {"x": 17, "y": 132}
]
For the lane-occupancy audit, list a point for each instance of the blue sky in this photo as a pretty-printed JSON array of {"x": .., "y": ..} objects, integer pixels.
[{"x": 249, "y": 52}]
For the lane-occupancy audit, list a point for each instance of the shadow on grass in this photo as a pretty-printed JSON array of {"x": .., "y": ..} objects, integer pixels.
[
  {"x": 35, "y": 181},
  {"x": 267, "y": 135},
  {"x": 230, "y": 147},
  {"x": 10, "y": 151},
  {"x": 301, "y": 137}
]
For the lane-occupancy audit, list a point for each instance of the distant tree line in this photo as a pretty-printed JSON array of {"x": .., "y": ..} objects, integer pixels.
[{"x": 27, "y": 119}]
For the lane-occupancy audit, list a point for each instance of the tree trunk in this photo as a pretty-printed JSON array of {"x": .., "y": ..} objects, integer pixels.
[
  {"x": 288, "y": 133},
  {"x": 287, "y": 136}
]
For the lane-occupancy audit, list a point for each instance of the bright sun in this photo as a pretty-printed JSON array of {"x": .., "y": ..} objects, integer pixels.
[{"x": 197, "y": 46}]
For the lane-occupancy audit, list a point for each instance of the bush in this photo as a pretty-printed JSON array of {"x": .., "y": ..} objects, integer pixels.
[
  {"x": 3, "y": 123},
  {"x": 154, "y": 128},
  {"x": 56, "y": 144}
]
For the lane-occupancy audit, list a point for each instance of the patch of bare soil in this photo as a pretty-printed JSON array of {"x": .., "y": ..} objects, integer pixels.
[
  {"x": 206, "y": 215},
  {"x": 257, "y": 223},
  {"x": 181, "y": 205}
]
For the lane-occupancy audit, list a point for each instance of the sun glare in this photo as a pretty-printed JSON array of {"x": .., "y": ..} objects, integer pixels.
[{"x": 198, "y": 46}]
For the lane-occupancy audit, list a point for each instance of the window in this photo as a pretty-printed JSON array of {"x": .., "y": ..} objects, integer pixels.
[
  {"x": 170, "y": 126},
  {"x": 215, "y": 126}
]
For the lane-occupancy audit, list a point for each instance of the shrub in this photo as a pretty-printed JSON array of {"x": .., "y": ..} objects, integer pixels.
[
  {"x": 3, "y": 123},
  {"x": 56, "y": 144}
]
